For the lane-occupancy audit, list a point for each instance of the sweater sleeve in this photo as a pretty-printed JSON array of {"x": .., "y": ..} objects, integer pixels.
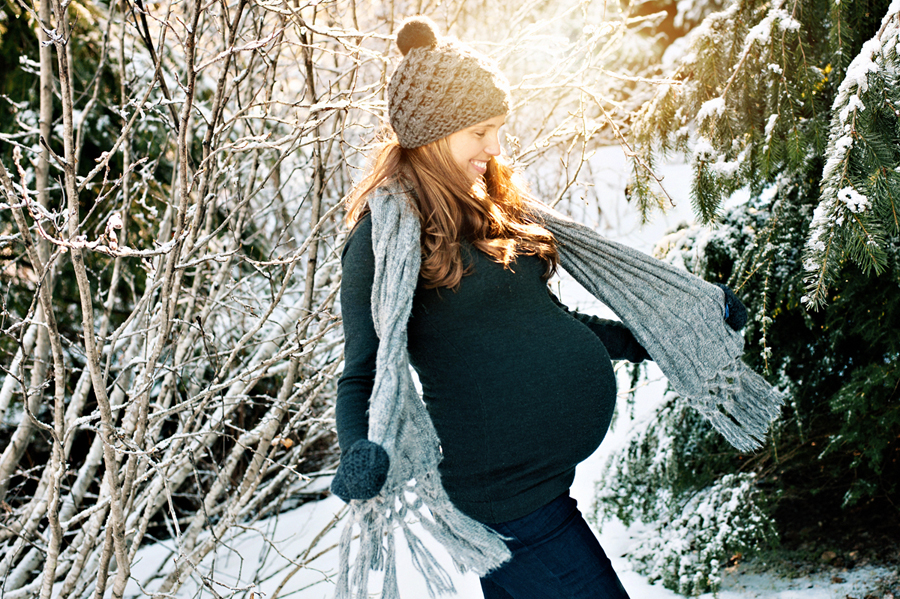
[
  {"x": 360, "y": 340},
  {"x": 618, "y": 339}
]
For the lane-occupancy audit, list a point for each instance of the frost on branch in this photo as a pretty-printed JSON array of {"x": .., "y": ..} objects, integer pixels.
[
  {"x": 860, "y": 184},
  {"x": 715, "y": 527}
]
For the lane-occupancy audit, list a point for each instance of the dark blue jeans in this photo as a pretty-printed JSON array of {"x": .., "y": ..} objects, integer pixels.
[{"x": 555, "y": 556}]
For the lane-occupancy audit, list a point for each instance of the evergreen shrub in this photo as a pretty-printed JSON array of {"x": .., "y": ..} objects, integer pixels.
[
  {"x": 834, "y": 452},
  {"x": 697, "y": 523}
]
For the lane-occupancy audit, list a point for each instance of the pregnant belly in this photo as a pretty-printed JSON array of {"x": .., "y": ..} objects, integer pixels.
[{"x": 525, "y": 411}]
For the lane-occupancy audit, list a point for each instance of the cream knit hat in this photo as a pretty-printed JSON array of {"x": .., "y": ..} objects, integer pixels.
[{"x": 441, "y": 86}]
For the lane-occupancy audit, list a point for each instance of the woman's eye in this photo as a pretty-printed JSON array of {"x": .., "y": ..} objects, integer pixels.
[{"x": 479, "y": 134}]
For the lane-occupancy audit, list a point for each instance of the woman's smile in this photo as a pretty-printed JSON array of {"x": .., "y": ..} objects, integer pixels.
[{"x": 480, "y": 166}]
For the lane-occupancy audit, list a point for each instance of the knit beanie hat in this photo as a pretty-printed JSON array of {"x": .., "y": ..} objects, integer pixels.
[{"x": 441, "y": 86}]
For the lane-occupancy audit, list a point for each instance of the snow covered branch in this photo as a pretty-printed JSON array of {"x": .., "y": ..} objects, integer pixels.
[{"x": 860, "y": 182}]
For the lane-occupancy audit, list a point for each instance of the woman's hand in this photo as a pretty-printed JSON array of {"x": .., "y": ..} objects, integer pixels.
[
  {"x": 735, "y": 312},
  {"x": 362, "y": 471}
]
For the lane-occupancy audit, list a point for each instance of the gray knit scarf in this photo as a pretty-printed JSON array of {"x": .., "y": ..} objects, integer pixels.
[{"x": 676, "y": 316}]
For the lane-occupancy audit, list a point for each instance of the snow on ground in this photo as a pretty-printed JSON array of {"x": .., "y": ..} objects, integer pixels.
[{"x": 288, "y": 556}]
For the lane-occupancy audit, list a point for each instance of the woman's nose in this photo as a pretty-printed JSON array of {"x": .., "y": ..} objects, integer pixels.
[{"x": 493, "y": 148}]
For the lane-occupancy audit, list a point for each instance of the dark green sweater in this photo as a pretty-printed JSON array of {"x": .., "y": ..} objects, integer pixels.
[{"x": 520, "y": 389}]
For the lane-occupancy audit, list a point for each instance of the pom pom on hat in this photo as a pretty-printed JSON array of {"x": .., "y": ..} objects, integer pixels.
[{"x": 417, "y": 32}]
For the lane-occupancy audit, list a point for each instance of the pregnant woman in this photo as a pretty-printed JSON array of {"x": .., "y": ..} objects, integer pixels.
[{"x": 446, "y": 269}]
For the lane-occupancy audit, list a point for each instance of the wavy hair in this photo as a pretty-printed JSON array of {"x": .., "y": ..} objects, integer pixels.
[{"x": 490, "y": 213}]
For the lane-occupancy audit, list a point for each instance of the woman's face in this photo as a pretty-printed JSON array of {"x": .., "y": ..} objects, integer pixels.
[{"x": 471, "y": 148}]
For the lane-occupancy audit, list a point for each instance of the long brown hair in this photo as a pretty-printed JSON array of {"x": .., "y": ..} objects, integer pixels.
[{"x": 490, "y": 213}]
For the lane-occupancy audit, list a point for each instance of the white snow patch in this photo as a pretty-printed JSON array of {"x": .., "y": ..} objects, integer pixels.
[
  {"x": 716, "y": 106},
  {"x": 770, "y": 124},
  {"x": 759, "y": 33},
  {"x": 855, "y": 201},
  {"x": 859, "y": 69},
  {"x": 725, "y": 168},
  {"x": 818, "y": 228},
  {"x": 704, "y": 151},
  {"x": 843, "y": 144},
  {"x": 786, "y": 22},
  {"x": 853, "y": 104},
  {"x": 676, "y": 50}
]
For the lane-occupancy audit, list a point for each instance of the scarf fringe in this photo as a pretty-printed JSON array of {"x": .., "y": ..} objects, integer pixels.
[
  {"x": 473, "y": 546},
  {"x": 342, "y": 588},
  {"x": 437, "y": 579},
  {"x": 741, "y": 404},
  {"x": 390, "y": 589}
]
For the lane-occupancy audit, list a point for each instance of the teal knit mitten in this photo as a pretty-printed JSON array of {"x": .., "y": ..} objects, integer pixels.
[
  {"x": 735, "y": 311},
  {"x": 362, "y": 472}
]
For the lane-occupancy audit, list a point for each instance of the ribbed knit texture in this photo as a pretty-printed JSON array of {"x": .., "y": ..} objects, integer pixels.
[
  {"x": 442, "y": 87},
  {"x": 679, "y": 319},
  {"x": 676, "y": 316}
]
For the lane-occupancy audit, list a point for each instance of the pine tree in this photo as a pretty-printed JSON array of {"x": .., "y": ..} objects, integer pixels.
[{"x": 792, "y": 125}]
